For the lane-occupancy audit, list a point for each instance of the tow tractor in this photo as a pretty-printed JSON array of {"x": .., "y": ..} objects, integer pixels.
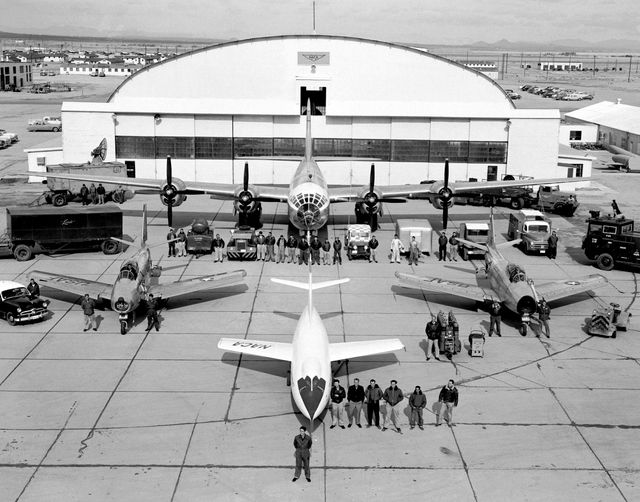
[
  {"x": 607, "y": 320},
  {"x": 449, "y": 341}
]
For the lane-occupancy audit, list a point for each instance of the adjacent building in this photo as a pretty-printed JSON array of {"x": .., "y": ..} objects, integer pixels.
[{"x": 14, "y": 75}]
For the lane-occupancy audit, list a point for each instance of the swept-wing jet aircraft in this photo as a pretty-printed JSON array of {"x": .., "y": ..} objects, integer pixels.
[
  {"x": 308, "y": 196},
  {"x": 133, "y": 284},
  {"x": 508, "y": 281},
  {"x": 310, "y": 352}
]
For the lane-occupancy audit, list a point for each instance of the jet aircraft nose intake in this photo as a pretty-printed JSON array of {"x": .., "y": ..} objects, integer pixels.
[
  {"x": 311, "y": 392},
  {"x": 526, "y": 305},
  {"x": 121, "y": 305}
]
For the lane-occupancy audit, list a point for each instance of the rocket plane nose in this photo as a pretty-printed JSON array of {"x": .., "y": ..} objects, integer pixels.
[{"x": 311, "y": 392}]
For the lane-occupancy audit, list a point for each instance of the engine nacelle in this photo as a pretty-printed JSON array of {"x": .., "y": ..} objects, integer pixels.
[
  {"x": 437, "y": 203},
  {"x": 168, "y": 193},
  {"x": 200, "y": 226}
]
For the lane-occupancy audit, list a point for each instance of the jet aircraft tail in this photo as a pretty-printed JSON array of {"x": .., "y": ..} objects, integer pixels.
[
  {"x": 143, "y": 239},
  {"x": 310, "y": 286}
]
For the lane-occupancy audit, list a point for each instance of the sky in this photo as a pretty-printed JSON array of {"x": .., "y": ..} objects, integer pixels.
[{"x": 410, "y": 21}]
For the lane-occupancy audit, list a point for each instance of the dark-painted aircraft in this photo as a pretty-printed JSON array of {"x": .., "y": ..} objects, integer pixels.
[
  {"x": 508, "y": 281},
  {"x": 133, "y": 284}
]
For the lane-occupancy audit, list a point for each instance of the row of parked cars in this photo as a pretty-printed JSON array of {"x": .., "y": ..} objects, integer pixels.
[
  {"x": 557, "y": 93},
  {"x": 7, "y": 138}
]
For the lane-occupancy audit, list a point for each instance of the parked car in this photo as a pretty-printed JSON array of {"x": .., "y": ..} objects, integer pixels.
[
  {"x": 40, "y": 125},
  {"x": 512, "y": 94},
  {"x": 16, "y": 305},
  {"x": 356, "y": 241},
  {"x": 11, "y": 136}
]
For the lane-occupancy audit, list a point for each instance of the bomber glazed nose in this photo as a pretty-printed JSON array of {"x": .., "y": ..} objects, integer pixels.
[{"x": 311, "y": 392}]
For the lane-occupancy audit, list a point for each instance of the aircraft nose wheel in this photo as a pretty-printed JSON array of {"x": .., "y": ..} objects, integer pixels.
[
  {"x": 523, "y": 330},
  {"x": 288, "y": 378},
  {"x": 123, "y": 327}
]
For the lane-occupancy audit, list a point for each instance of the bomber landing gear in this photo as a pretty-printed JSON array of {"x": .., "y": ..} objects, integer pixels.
[
  {"x": 124, "y": 324},
  {"x": 523, "y": 329}
]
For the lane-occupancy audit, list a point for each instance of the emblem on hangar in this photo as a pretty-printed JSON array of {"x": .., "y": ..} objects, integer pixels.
[{"x": 316, "y": 58}]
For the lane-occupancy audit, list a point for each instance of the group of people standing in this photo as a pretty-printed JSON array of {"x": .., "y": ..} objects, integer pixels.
[
  {"x": 298, "y": 250},
  {"x": 93, "y": 194}
]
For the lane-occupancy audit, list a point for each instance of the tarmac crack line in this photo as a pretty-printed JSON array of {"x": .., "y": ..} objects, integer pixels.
[
  {"x": 186, "y": 452},
  {"x": 464, "y": 464},
  {"x": 246, "y": 332},
  {"x": 46, "y": 453},
  {"x": 577, "y": 429}
]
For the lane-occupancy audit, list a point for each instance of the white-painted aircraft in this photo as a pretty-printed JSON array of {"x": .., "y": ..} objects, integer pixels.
[
  {"x": 508, "y": 283},
  {"x": 308, "y": 196},
  {"x": 310, "y": 353},
  {"x": 133, "y": 284}
]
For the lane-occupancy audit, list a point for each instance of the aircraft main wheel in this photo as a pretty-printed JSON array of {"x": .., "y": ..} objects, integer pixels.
[
  {"x": 517, "y": 203},
  {"x": 123, "y": 327},
  {"x": 605, "y": 262},
  {"x": 59, "y": 200},
  {"x": 523, "y": 330},
  {"x": 110, "y": 247}
]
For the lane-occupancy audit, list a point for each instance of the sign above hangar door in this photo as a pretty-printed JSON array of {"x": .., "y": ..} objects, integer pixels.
[{"x": 315, "y": 58}]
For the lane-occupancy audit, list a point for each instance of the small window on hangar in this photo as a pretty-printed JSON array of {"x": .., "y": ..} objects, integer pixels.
[{"x": 318, "y": 99}]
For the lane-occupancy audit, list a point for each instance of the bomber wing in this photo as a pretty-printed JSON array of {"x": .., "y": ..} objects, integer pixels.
[
  {"x": 559, "y": 289},
  {"x": 348, "y": 350},
  {"x": 218, "y": 190},
  {"x": 417, "y": 191},
  {"x": 96, "y": 290},
  {"x": 272, "y": 350},
  {"x": 437, "y": 285},
  {"x": 198, "y": 283}
]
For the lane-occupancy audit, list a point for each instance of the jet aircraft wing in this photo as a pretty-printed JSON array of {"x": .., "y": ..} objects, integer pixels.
[
  {"x": 273, "y": 350},
  {"x": 178, "y": 288},
  {"x": 346, "y": 194},
  {"x": 96, "y": 290},
  {"x": 559, "y": 289},
  {"x": 437, "y": 285},
  {"x": 218, "y": 190},
  {"x": 348, "y": 350}
]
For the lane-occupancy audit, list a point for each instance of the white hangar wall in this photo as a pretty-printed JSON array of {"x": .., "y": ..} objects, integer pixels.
[{"x": 378, "y": 99}]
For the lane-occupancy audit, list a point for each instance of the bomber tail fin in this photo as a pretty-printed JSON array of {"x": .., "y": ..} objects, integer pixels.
[
  {"x": 143, "y": 242},
  {"x": 308, "y": 140}
]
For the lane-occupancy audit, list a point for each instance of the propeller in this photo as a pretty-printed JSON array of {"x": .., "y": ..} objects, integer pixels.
[
  {"x": 170, "y": 192},
  {"x": 245, "y": 197},
  {"x": 373, "y": 202},
  {"x": 445, "y": 194}
]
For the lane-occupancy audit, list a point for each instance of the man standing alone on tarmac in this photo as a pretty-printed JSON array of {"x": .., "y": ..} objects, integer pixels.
[
  {"x": 552, "y": 242},
  {"x": 544, "y": 312},
  {"x": 495, "y": 315},
  {"x": 393, "y": 396},
  {"x": 88, "y": 308},
  {"x": 448, "y": 400},
  {"x": 152, "y": 314},
  {"x": 442, "y": 246},
  {"x": 432, "y": 331},
  {"x": 355, "y": 397},
  {"x": 302, "y": 443},
  {"x": 218, "y": 246},
  {"x": 373, "y": 245}
]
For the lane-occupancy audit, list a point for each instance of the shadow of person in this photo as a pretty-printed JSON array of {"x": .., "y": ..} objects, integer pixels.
[
  {"x": 98, "y": 320},
  {"x": 424, "y": 345}
]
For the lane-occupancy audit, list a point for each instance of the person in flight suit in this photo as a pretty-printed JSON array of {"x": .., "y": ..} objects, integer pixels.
[
  {"x": 152, "y": 313},
  {"x": 302, "y": 443},
  {"x": 414, "y": 251},
  {"x": 495, "y": 316}
]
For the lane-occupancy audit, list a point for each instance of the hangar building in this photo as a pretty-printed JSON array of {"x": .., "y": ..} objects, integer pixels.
[{"x": 211, "y": 108}]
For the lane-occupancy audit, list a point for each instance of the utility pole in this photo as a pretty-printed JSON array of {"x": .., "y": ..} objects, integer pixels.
[
  {"x": 314, "y": 18},
  {"x": 629, "y": 76},
  {"x": 594, "y": 65}
]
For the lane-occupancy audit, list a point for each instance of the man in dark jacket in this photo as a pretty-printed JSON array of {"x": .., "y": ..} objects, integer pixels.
[
  {"x": 393, "y": 396},
  {"x": 432, "y": 330},
  {"x": 302, "y": 443},
  {"x": 88, "y": 308},
  {"x": 100, "y": 192},
  {"x": 292, "y": 248},
  {"x": 303, "y": 249},
  {"x": 453, "y": 246},
  {"x": 373, "y": 245},
  {"x": 33, "y": 288},
  {"x": 152, "y": 314},
  {"x": 315, "y": 246},
  {"x": 218, "y": 247},
  {"x": 338, "y": 396},
  {"x": 448, "y": 400},
  {"x": 84, "y": 194},
  {"x": 271, "y": 247},
  {"x": 372, "y": 397},
  {"x": 495, "y": 317},
  {"x": 417, "y": 403},
  {"x": 337, "y": 251},
  {"x": 171, "y": 242},
  {"x": 355, "y": 397},
  {"x": 552, "y": 242},
  {"x": 544, "y": 312},
  {"x": 261, "y": 246},
  {"x": 442, "y": 246}
]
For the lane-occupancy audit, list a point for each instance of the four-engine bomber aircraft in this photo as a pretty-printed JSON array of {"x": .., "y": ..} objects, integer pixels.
[
  {"x": 133, "y": 284},
  {"x": 310, "y": 353},
  {"x": 508, "y": 283},
  {"x": 308, "y": 196}
]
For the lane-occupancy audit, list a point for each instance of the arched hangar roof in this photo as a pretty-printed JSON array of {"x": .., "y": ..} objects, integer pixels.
[{"x": 263, "y": 76}]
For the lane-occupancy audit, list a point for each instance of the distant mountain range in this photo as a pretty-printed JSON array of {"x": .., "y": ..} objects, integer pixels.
[{"x": 576, "y": 45}]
